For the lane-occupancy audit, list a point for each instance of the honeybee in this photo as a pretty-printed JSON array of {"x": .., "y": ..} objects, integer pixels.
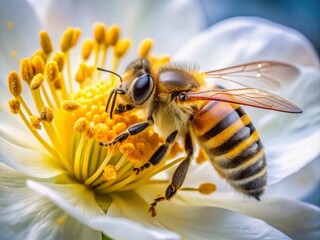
[{"x": 175, "y": 99}]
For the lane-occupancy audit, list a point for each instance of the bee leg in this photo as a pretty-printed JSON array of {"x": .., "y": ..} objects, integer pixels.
[
  {"x": 123, "y": 108},
  {"x": 132, "y": 130},
  {"x": 159, "y": 153},
  {"x": 178, "y": 177}
]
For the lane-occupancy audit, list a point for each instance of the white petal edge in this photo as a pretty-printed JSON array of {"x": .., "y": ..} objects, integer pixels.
[
  {"x": 247, "y": 39},
  {"x": 28, "y": 215},
  {"x": 111, "y": 226}
]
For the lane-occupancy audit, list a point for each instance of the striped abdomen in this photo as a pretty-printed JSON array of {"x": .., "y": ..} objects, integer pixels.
[{"x": 226, "y": 134}]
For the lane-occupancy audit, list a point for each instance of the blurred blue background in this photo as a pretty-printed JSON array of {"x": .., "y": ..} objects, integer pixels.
[{"x": 302, "y": 15}]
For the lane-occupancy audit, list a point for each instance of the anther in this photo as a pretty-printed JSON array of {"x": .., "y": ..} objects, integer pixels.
[
  {"x": 45, "y": 42},
  {"x": 87, "y": 47},
  {"x": 80, "y": 125},
  {"x": 112, "y": 36},
  {"x": 38, "y": 64},
  {"x": 109, "y": 172},
  {"x": 84, "y": 72},
  {"x": 99, "y": 30},
  {"x": 66, "y": 40},
  {"x": 59, "y": 58},
  {"x": 207, "y": 188},
  {"x": 122, "y": 47},
  {"x": 145, "y": 47},
  {"x": 35, "y": 122},
  {"x": 15, "y": 84},
  {"x": 52, "y": 71},
  {"x": 70, "y": 105},
  {"x": 14, "y": 105},
  {"x": 36, "y": 81},
  {"x": 41, "y": 54},
  {"x": 26, "y": 70},
  {"x": 90, "y": 130},
  {"x": 75, "y": 36},
  {"x": 46, "y": 114}
]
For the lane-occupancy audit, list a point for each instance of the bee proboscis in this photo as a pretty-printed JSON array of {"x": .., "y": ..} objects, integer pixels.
[{"x": 175, "y": 99}]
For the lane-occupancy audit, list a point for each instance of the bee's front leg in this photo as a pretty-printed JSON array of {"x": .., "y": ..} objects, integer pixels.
[
  {"x": 123, "y": 108},
  {"x": 177, "y": 178},
  {"x": 132, "y": 130}
]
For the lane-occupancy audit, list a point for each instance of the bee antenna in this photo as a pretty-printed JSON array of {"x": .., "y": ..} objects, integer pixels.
[{"x": 109, "y": 71}]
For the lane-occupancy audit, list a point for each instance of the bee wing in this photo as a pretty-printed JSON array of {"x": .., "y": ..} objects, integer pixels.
[
  {"x": 263, "y": 74},
  {"x": 246, "y": 96}
]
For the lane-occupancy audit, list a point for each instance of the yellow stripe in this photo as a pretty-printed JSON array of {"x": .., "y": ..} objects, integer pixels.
[
  {"x": 222, "y": 137},
  {"x": 238, "y": 149}
]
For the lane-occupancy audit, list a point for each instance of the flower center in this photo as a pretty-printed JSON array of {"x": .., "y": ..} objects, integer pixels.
[{"x": 70, "y": 123}]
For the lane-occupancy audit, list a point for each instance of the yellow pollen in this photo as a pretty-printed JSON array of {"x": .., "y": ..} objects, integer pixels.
[
  {"x": 207, "y": 188},
  {"x": 101, "y": 130},
  {"x": 122, "y": 47},
  {"x": 57, "y": 83},
  {"x": 46, "y": 114},
  {"x": 75, "y": 36},
  {"x": 45, "y": 42},
  {"x": 36, "y": 81},
  {"x": 90, "y": 130},
  {"x": 202, "y": 157},
  {"x": 112, "y": 36},
  {"x": 66, "y": 40},
  {"x": 14, "y": 106},
  {"x": 80, "y": 125},
  {"x": 10, "y": 25},
  {"x": 35, "y": 122},
  {"x": 109, "y": 172},
  {"x": 26, "y": 70},
  {"x": 84, "y": 72},
  {"x": 38, "y": 64},
  {"x": 87, "y": 47},
  {"x": 70, "y": 105},
  {"x": 52, "y": 71},
  {"x": 15, "y": 84},
  {"x": 41, "y": 54},
  {"x": 99, "y": 30},
  {"x": 59, "y": 58},
  {"x": 126, "y": 147},
  {"x": 145, "y": 47}
]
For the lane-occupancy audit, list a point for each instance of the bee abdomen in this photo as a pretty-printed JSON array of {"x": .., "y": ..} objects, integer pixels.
[{"x": 234, "y": 148}]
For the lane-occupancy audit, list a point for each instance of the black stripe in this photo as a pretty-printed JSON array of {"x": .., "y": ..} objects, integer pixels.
[
  {"x": 250, "y": 171},
  {"x": 257, "y": 183},
  {"x": 243, "y": 134},
  {"x": 248, "y": 153},
  {"x": 223, "y": 124},
  {"x": 208, "y": 107}
]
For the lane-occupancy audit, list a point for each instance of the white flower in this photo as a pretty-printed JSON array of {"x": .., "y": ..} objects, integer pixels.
[{"x": 39, "y": 200}]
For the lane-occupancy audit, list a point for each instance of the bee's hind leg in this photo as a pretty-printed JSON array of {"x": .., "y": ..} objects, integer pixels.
[{"x": 177, "y": 178}]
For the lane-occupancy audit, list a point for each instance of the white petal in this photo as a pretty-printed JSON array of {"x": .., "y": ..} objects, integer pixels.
[
  {"x": 214, "y": 223},
  {"x": 295, "y": 219},
  {"x": 28, "y": 161},
  {"x": 247, "y": 39},
  {"x": 79, "y": 202},
  {"x": 28, "y": 215}
]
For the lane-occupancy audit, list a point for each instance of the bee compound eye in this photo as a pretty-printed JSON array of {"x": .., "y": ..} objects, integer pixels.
[{"x": 142, "y": 89}]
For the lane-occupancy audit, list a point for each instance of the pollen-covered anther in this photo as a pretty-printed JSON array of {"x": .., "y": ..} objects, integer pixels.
[
  {"x": 14, "y": 105},
  {"x": 109, "y": 172},
  {"x": 75, "y": 36},
  {"x": 52, "y": 71},
  {"x": 66, "y": 40},
  {"x": 90, "y": 130},
  {"x": 35, "y": 122},
  {"x": 126, "y": 148},
  {"x": 207, "y": 188},
  {"x": 86, "y": 50},
  {"x": 70, "y": 105},
  {"x": 14, "y": 83},
  {"x": 122, "y": 47},
  {"x": 101, "y": 130},
  {"x": 112, "y": 35},
  {"x": 59, "y": 58},
  {"x": 38, "y": 64},
  {"x": 84, "y": 72},
  {"x": 80, "y": 125},
  {"x": 46, "y": 114},
  {"x": 145, "y": 47},
  {"x": 45, "y": 42},
  {"x": 36, "y": 81},
  {"x": 99, "y": 30},
  {"x": 42, "y": 54},
  {"x": 26, "y": 70}
]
